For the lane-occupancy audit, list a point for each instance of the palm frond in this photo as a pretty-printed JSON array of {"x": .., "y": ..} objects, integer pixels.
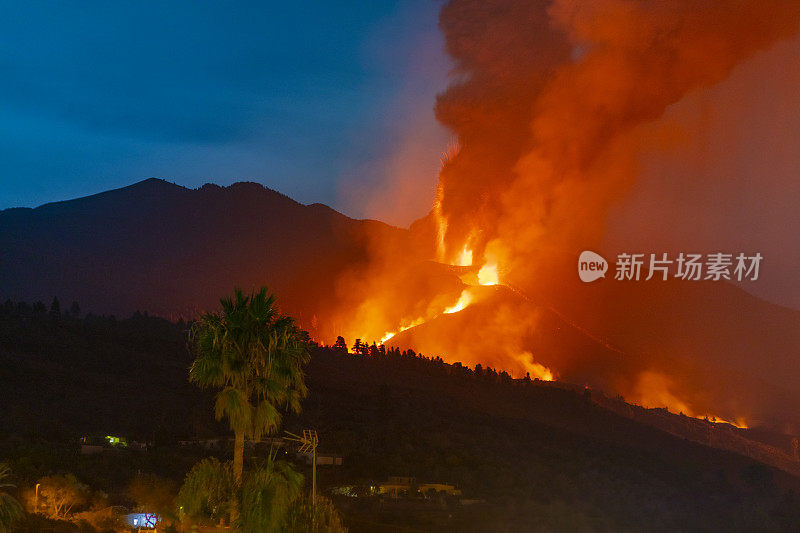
[
  {"x": 233, "y": 404},
  {"x": 255, "y": 355},
  {"x": 266, "y": 419},
  {"x": 208, "y": 489},
  {"x": 268, "y": 493},
  {"x": 10, "y": 510}
]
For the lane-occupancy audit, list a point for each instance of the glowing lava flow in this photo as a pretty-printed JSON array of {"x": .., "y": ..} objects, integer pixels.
[
  {"x": 536, "y": 370},
  {"x": 402, "y": 328},
  {"x": 464, "y": 258},
  {"x": 739, "y": 423},
  {"x": 487, "y": 275},
  {"x": 463, "y": 301},
  {"x": 656, "y": 390}
]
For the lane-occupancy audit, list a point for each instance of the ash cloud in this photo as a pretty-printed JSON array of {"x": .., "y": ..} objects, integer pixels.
[
  {"x": 555, "y": 105},
  {"x": 558, "y": 108},
  {"x": 548, "y": 99}
]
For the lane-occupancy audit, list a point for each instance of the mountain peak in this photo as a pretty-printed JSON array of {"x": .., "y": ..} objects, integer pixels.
[{"x": 156, "y": 184}]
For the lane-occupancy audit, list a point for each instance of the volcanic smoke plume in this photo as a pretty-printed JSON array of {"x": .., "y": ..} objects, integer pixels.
[{"x": 548, "y": 102}]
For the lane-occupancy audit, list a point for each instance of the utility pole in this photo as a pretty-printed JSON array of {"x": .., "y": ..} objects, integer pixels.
[{"x": 308, "y": 443}]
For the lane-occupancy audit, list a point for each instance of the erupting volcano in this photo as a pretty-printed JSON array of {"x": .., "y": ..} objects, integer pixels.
[
  {"x": 464, "y": 265},
  {"x": 554, "y": 105}
]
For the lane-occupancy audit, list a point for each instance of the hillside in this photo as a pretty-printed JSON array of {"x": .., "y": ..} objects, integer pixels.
[
  {"x": 158, "y": 247},
  {"x": 708, "y": 348},
  {"x": 536, "y": 453}
]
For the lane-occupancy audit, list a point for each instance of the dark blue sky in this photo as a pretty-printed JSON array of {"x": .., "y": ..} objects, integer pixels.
[{"x": 325, "y": 101}]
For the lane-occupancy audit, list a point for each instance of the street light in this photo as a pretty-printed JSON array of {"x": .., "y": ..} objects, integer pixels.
[
  {"x": 308, "y": 442},
  {"x": 36, "y": 500}
]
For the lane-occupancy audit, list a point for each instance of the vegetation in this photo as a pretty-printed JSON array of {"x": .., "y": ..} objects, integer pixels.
[
  {"x": 255, "y": 356},
  {"x": 209, "y": 490},
  {"x": 321, "y": 516},
  {"x": 10, "y": 509},
  {"x": 268, "y": 493},
  {"x": 65, "y": 376},
  {"x": 58, "y": 494},
  {"x": 270, "y": 498},
  {"x": 530, "y": 454}
]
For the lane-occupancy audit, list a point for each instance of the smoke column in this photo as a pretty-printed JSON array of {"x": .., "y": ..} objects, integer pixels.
[
  {"x": 546, "y": 103},
  {"x": 553, "y": 105}
]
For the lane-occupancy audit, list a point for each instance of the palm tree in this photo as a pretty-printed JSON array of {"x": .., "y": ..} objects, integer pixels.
[
  {"x": 306, "y": 517},
  {"x": 266, "y": 498},
  {"x": 254, "y": 355},
  {"x": 269, "y": 492},
  {"x": 209, "y": 490},
  {"x": 10, "y": 509}
]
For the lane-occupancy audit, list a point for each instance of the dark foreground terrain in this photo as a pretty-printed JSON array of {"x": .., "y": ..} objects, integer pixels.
[{"x": 527, "y": 455}]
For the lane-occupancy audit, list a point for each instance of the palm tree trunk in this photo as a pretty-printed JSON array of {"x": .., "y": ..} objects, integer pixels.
[
  {"x": 238, "y": 456},
  {"x": 238, "y": 470}
]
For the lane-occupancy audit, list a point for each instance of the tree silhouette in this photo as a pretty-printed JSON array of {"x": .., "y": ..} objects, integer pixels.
[
  {"x": 55, "y": 310},
  {"x": 265, "y": 496},
  {"x": 209, "y": 490},
  {"x": 322, "y": 516},
  {"x": 268, "y": 492},
  {"x": 340, "y": 344},
  {"x": 39, "y": 309},
  {"x": 59, "y": 493},
  {"x": 255, "y": 357}
]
